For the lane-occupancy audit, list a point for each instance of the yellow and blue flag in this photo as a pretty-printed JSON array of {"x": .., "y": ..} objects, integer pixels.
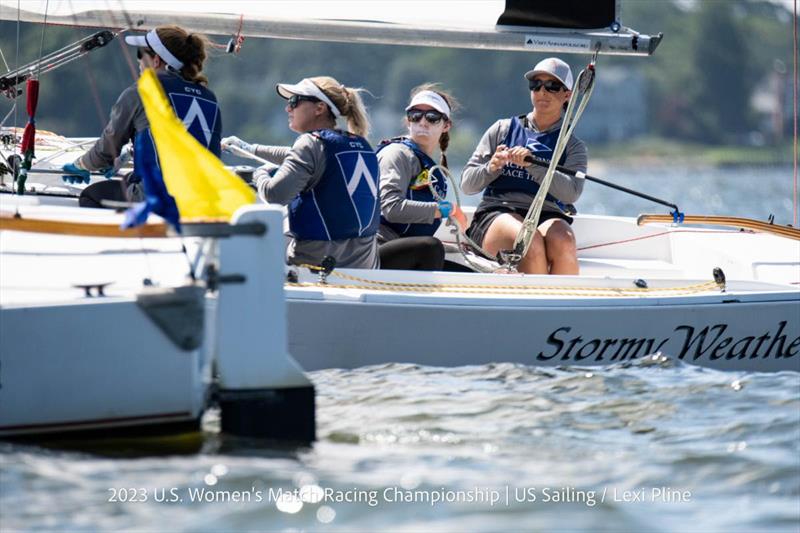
[{"x": 195, "y": 185}]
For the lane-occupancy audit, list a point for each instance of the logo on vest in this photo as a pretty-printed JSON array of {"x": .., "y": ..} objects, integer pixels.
[
  {"x": 536, "y": 147},
  {"x": 356, "y": 172},
  {"x": 196, "y": 113}
]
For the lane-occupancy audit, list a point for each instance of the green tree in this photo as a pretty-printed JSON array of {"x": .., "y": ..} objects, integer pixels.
[{"x": 720, "y": 91}]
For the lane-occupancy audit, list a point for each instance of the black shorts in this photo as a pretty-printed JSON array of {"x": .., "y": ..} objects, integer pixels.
[{"x": 485, "y": 215}]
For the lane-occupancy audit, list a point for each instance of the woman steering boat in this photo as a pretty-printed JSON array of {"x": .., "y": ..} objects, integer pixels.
[{"x": 509, "y": 184}]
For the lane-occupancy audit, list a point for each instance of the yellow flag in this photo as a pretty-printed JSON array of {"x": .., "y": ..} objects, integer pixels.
[{"x": 201, "y": 185}]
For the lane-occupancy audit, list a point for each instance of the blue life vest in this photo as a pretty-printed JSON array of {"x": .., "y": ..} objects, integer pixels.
[
  {"x": 514, "y": 178},
  {"x": 418, "y": 190},
  {"x": 196, "y": 106},
  {"x": 344, "y": 203}
]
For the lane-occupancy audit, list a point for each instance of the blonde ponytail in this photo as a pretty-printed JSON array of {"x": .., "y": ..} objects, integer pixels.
[{"x": 348, "y": 101}]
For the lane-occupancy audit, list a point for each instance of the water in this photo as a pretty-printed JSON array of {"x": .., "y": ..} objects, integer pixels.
[
  {"x": 754, "y": 192},
  {"x": 722, "y": 448},
  {"x": 656, "y": 446}
]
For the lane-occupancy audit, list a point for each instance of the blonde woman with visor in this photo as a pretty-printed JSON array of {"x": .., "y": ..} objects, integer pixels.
[{"x": 328, "y": 177}]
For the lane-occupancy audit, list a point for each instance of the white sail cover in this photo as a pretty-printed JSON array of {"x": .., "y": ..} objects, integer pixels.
[{"x": 467, "y": 24}]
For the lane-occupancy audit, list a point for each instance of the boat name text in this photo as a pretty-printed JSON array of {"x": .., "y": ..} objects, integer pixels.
[{"x": 694, "y": 343}]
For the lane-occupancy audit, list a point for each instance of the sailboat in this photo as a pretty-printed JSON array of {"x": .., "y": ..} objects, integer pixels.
[{"x": 720, "y": 292}]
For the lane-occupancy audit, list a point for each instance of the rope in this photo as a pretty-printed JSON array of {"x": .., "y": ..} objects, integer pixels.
[
  {"x": 585, "y": 87},
  {"x": 470, "y": 288},
  {"x": 458, "y": 233}
]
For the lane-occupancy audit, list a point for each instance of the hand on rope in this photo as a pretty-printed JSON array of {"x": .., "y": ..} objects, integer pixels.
[
  {"x": 74, "y": 173},
  {"x": 120, "y": 161},
  {"x": 575, "y": 107},
  {"x": 236, "y": 142},
  {"x": 452, "y": 212}
]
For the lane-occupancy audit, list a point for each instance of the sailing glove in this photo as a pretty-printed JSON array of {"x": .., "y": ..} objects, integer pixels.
[
  {"x": 74, "y": 173},
  {"x": 227, "y": 142},
  {"x": 120, "y": 161}
]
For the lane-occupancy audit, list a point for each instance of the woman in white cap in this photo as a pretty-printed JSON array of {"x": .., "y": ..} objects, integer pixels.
[
  {"x": 509, "y": 184},
  {"x": 328, "y": 178},
  {"x": 410, "y": 212},
  {"x": 177, "y": 56}
]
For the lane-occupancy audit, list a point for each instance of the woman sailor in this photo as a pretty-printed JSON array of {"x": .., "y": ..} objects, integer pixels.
[
  {"x": 177, "y": 56},
  {"x": 410, "y": 211},
  {"x": 328, "y": 178},
  {"x": 509, "y": 184}
]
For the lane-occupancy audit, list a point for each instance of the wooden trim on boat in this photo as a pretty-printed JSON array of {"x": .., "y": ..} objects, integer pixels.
[
  {"x": 80, "y": 229},
  {"x": 736, "y": 222}
]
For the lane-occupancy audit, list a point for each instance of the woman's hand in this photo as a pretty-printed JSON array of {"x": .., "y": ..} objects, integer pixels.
[
  {"x": 499, "y": 158},
  {"x": 517, "y": 155},
  {"x": 508, "y": 156},
  {"x": 236, "y": 142},
  {"x": 459, "y": 217}
]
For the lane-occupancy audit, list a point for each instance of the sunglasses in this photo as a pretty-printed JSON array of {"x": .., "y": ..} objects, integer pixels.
[
  {"x": 295, "y": 100},
  {"x": 551, "y": 86},
  {"x": 415, "y": 115},
  {"x": 141, "y": 51}
]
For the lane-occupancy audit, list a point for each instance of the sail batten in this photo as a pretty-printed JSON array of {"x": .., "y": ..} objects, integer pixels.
[{"x": 475, "y": 30}]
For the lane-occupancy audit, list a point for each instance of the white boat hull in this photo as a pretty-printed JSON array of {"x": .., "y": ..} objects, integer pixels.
[
  {"x": 138, "y": 356},
  {"x": 63, "y": 370},
  {"x": 723, "y": 332},
  {"x": 597, "y": 318}
]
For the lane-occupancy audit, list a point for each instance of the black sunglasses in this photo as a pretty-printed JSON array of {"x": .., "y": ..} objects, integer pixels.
[
  {"x": 141, "y": 51},
  {"x": 415, "y": 115},
  {"x": 295, "y": 100},
  {"x": 551, "y": 86}
]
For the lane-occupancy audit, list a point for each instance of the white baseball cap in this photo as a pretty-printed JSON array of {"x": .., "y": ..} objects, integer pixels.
[
  {"x": 306, "y": 87},
  {"x": 555, "y": 67}
]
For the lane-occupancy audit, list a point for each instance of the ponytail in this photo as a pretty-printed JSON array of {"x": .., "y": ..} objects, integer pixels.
[
  {"x": 189, "y": 48},
  {"x": 349, "y": 103}
]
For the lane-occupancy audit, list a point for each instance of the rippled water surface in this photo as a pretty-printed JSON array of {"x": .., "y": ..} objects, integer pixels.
[
  {"x": 501, "y": 447},
  {"x": 653, "y": 446}
]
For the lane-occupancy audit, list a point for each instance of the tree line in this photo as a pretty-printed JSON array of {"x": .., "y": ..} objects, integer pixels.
[{"x": 714, "y": 56}]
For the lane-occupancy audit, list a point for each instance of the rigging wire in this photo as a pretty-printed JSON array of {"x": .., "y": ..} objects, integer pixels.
[
  {"x": 794, "y": 109},
  {"x": 41, "y": 42}
]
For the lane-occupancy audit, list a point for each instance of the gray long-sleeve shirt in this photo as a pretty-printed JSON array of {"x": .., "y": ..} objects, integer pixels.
[
  {"x": 476, "y": 175},
  {"x": 399, "y": 165},
  {"x": 127, "y": 117},
  {"x": 301, "y": 168}
]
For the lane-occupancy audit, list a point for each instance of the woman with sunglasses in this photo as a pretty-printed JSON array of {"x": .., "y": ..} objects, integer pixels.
[
  {"x": 410, "y": 211},
  {"x": 177, "y": 57},
  {"x": 509, "y": 184},
  {"x": 328, "y": 178}
]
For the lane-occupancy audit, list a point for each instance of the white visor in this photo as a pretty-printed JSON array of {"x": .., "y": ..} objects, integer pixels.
[
  {"x": 432, "y": 99},
  {"x": 151, "y": 40},
  {"x": 306, "y": 87}
]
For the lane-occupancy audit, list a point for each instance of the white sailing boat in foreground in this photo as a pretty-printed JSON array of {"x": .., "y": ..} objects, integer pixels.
[{"x": 723, "y": 298}]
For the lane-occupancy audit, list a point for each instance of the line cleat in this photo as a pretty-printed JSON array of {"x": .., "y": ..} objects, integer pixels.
[
  {"x": 719, "y": 279},
  {"x": 677, "y": 216},
  {"x": 640, "y": 283},
  {"x": 326, "y": 267},
  {"x": 99, "y": 288}
]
